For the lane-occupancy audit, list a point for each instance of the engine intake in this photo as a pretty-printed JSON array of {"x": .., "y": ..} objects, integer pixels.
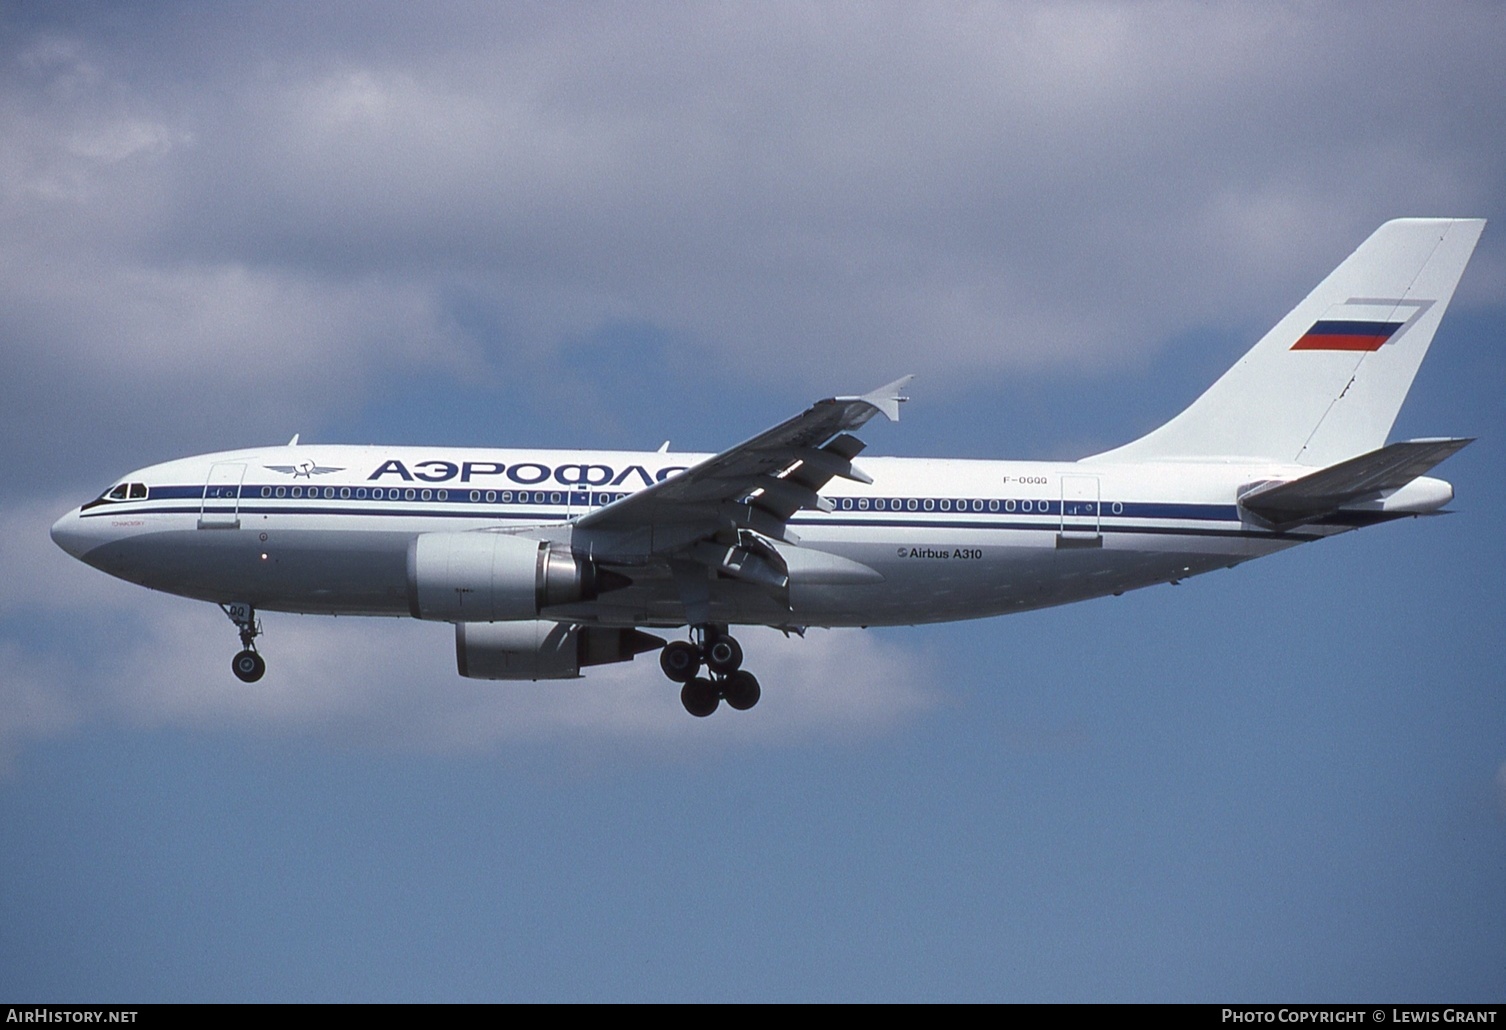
[{"x": 538, "y": 649}]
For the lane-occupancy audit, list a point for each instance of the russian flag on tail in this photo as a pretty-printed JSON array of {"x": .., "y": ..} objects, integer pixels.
[{"x": 1337, "y": 334}]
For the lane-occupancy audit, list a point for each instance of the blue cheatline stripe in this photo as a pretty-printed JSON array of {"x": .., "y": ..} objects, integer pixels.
[
  {"x": 895, "y": 506},
  {"x": 1046, "y": 516},
  {"x": 994, "y": 523},
  {"x": 1012, "y": 507},
  {"x": 1048, "y": 522}
]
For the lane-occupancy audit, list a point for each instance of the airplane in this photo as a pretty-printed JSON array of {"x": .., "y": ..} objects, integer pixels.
[{"x": 548, "y": 562}]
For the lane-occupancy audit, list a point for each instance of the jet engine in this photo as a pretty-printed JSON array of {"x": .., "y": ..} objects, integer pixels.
[
  {"x": 491, "y": 577},
  {"x": 538, "y": 649}
]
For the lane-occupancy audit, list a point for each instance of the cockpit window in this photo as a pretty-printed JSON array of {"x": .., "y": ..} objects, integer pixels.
[{"x": 122, "y": 492}]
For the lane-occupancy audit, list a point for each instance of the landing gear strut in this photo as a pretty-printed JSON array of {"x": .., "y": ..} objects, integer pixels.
[
  {"x": 248, "y": 666},
  {"x": 710, "y": 645}
]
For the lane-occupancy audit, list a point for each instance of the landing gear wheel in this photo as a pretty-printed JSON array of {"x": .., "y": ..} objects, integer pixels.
[
  {"x": 723, "y": 655},
  {"x": 248, "y": 666},
  {"x": 741, "y": 690},
  {"x": 700, "y": 697},
  {"x": 680, "y": 660}
]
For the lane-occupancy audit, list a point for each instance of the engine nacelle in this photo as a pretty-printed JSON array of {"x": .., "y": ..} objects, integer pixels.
[
  {"x": 538, "y": 649},
  {"x": 490, "y": 577}
]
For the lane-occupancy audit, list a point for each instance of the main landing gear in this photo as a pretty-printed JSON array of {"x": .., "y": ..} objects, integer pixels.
[
  {"x": 247, "y": 665},
  {"x": 681, "y": 661}
]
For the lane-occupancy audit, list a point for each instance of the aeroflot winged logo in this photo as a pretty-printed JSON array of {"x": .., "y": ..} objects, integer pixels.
[
  {"x": 303, "y": 470},
  {"x": 1361, "y": 324}
]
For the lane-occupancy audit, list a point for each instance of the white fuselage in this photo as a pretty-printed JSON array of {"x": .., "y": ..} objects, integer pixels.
[{"x": 327, "y": 529}]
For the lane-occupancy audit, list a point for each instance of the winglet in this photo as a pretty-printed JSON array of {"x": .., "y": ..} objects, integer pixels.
[{"x": 886, "y": 398}]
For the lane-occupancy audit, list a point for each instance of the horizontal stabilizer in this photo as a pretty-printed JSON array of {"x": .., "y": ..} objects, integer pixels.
[{"x": 1364, "y": 478}]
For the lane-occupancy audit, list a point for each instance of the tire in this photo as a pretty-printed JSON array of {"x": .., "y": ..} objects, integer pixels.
[
  {"x": 699, "y": 696},
  {"x": 741, "y": 690},
  {"x": 680, "y": 660},
  {"x": 248, "y": 666},
  {"x": 724, "y": 655}
]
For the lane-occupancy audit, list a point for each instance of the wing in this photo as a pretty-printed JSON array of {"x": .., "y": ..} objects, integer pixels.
[{"x": 717, "y": 514}]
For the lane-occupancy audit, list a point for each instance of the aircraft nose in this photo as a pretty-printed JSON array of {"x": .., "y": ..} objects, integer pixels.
[{"x": 68, "y": 534}]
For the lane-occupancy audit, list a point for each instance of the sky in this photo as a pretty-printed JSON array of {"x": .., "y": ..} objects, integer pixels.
[{"x": 607, "y": 225}]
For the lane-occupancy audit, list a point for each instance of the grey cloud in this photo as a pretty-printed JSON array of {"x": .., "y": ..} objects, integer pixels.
[
  {"x": 33, "y": 704},
  {"x": 1005, "y": 186}
]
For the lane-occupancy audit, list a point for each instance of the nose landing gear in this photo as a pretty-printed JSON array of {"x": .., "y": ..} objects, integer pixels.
[
  {"x": 248, "y": 666},
  {"x": 681, "y": 661}
]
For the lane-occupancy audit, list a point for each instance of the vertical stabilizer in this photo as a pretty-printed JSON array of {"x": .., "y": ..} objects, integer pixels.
[{"x": 1327, "y": 382}]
